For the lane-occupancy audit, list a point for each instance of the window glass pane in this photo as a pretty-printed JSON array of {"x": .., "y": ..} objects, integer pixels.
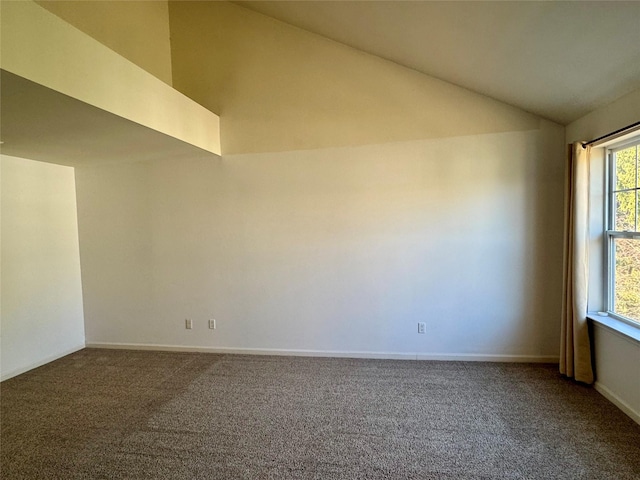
[
  {"x": 637, "y": 210},
  {"x": 625, "y": 211},
  {"x": 627, "y": 278},
  {"x": 626, "y": 171}
]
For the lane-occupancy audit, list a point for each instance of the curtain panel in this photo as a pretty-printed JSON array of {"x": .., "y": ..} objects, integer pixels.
[{"x": 575, "y": 348}]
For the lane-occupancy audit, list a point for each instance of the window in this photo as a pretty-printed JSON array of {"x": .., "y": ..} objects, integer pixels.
[{"x": 623, "y": 231}]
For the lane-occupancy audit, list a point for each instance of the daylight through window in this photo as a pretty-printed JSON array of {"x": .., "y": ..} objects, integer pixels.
[{"x": 623, "y": 231}]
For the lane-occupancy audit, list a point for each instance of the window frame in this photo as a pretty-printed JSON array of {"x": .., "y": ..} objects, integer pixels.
[{"x": 609, "y": 216}]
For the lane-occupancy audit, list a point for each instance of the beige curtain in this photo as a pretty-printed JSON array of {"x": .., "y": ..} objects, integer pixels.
[{"x": 575, "y": 350}]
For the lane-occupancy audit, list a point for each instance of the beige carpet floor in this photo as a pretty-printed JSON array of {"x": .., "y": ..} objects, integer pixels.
[{"x": 106, "y": 414}]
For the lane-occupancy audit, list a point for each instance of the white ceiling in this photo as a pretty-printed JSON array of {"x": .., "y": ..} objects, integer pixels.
[{"x": 559, "y": 60}]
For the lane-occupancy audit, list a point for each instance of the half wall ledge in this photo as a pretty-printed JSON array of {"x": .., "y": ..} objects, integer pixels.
[
  {"x": 39, "y": 47},
  {"x": 624, "y": 329}
]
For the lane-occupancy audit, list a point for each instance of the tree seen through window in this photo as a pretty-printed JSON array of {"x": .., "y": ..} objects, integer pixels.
[{"x": 625, "y": 247}]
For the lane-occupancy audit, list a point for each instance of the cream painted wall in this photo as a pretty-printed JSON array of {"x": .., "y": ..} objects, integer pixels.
[
  {"x": 616, "y": 358},
  {"x": 333, "y": 250},
  {"x": 137, "y": 30},
  {"x": 42, "y": 314},
  {"x": 617, "y": 375},
  {"x": 279, "y": 88},
  {"x": 618, "y": 114},
  {"x": 354, "y": 199}
]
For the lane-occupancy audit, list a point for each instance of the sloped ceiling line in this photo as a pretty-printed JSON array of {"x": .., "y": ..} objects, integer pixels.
[{"x": 558, "y": 60}]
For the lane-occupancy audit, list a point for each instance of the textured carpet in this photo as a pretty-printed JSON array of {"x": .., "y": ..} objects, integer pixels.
[{"x": 122, "y": 414}]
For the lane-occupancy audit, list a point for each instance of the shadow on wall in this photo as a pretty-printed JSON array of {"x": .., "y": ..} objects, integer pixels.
[{"x": 278, "y": 88}]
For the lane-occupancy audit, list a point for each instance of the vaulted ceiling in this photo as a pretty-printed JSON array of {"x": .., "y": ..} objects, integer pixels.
[{"x": 559, "y": 60}]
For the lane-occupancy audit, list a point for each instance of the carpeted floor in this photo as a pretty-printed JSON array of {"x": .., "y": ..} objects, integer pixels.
[{"x": 121, "y": 414}]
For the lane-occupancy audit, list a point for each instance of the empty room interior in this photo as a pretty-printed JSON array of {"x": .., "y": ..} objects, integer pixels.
[{"x": 315, "y": 239}]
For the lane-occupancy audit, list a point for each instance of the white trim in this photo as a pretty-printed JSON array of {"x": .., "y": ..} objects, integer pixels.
[
  {"x": 614, "y": 146},
  {"x": 44, "y": 361},
  {"x": 622, "y": 329},
  {"x": 617, "y": 401},
  {"x": 614, "y": 141},
  {"x": 482, "y": 357},
  {"x": 467, "y": 357}
]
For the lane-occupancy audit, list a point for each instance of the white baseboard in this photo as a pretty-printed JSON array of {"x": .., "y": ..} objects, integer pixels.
[
  {"x": 617, "y": 401},
  {"x": 44, "y": 361},
  {"x": 467, "y": 357},
  {"x": 482, "y": 357}
]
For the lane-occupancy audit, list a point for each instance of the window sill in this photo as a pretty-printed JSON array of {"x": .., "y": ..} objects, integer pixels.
[{"x": 624, "y": 329}]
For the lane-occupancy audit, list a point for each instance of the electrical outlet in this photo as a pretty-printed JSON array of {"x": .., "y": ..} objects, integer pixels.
[
  {"x": 212, "y": 323},
  {"x": 188, "y": 324},
  {"x": 422, "y": 327}
]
